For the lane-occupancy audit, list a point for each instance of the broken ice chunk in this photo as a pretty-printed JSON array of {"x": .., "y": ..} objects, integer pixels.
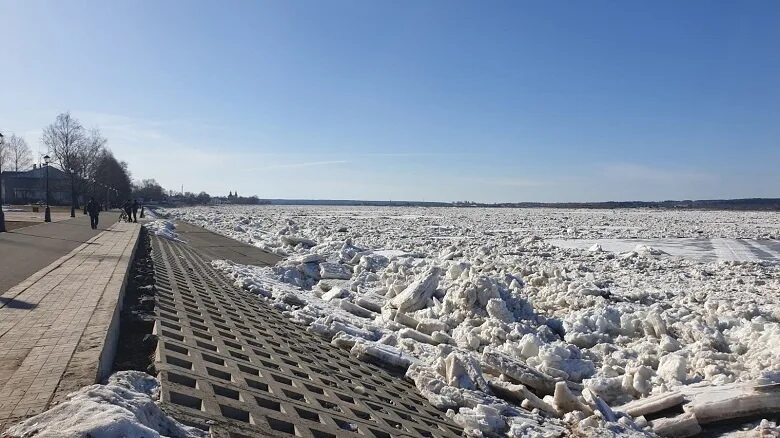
[
  {"x": 463, "y": 371},
  {"x": 496, "y": 307},
  {"x": 334, "y": 293},
  {"x": 518, "y": 371},
  {"x": 295, "y": 240},
  {"x": 673, "y": 367},
  {"x": 682, "y": 425},
  {"x": 334, "y": 271},
  {"x": 417, "y": 294},
  {"x": 483, "y": 419},
  {"x": 385, "y": 354},
  {"x": 652, "y": 404},
  {"x": 355, "y": 309},
  {"x": 430, "y": 325},
  {"x": 565, "y": 401}
]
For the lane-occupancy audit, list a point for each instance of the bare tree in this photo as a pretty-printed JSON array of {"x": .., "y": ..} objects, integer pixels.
[
  {"x": 94, "y": 146},
  {"x": 20, "y": 155},
  {"x": 149, "y": 190},
  {"x": 67, "y": 140},
  {"x": 112, "y": 177}
]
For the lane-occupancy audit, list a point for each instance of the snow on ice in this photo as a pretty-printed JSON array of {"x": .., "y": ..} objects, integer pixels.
[{"x": 515, "y": 335}]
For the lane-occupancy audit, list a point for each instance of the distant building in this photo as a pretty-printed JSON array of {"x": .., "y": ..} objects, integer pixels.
[{"x": 29, "y": 186}]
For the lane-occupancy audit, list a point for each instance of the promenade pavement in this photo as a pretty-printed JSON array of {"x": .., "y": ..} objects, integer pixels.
[
  {"x": 35, "y": 217},
  {"x": 24, "y": 251},
  {"x": 58, "y": 327}
]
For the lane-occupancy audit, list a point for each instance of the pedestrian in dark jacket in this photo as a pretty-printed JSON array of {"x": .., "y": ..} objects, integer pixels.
[
  {"x": 136, "y": 206},
  {"x": 128, "y": 208},
  {"x": 94, "y": 210}
]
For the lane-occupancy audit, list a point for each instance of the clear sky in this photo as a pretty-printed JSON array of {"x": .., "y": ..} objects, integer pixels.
[{"x": 420, "y": 100}]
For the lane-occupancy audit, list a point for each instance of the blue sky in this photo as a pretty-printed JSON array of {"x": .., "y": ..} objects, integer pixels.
[{"x": 422, "y": 100}]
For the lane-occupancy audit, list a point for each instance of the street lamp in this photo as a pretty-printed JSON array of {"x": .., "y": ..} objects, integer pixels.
[
  {"x": 73, "y": 200},
  {"x": 47, "y": 214},
  {"x": 2, "y": 215}
]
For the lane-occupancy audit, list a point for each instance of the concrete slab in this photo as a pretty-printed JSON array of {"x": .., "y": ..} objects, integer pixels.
[
  {"x": 217, "y": 247},
  {"x": 14, "y": 225},
  {"x": 59, "y": 326}
]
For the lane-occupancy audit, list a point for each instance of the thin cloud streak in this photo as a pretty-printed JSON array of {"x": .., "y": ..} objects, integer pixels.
[{"x": 413, "y": 154}]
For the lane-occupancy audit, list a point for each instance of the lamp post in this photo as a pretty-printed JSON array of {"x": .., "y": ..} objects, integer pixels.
[
  {"x": 109, "y": 189},
  {"x": 2, "y": 215},
  {"x": 47, "y": 214},
  {"x": 72, "y": 202}
]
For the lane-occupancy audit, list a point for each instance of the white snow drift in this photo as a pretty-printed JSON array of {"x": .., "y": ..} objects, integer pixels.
[
  {"x": 123, "y": 407},
  {"x": 164, "y": 229}
]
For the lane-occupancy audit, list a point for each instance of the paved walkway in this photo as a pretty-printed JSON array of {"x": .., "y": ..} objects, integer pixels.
[
  {"x": 36, "y": 216},
  {"x": 29, "y": 249},
  {"x": 57, "y": 327}
]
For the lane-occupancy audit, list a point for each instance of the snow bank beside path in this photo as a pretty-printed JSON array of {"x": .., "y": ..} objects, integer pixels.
[
  {"x": 123, "y": 407},
  {"x": 510, "y": 333}
]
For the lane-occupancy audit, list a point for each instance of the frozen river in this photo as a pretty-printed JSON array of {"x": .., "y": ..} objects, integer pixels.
[
  {"x": 459, "y": 297},
  {"x": 705, "y": 250}
]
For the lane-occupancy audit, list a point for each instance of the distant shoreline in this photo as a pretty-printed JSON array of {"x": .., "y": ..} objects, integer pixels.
[{"x": 746, "y": 204}]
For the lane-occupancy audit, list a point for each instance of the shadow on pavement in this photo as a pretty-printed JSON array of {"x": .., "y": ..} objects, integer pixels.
[{"x": 16, "y": 304}]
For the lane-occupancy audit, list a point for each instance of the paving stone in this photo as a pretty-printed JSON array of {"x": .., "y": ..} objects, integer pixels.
[
  {"x": 55, "y": 325},
  {"x": 232, "y": 364}
]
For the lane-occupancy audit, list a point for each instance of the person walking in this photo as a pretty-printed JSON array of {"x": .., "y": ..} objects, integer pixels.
[
  {"x": 136, "y": 205},
  {"x": 94, "y": 210},
  {"x": 128, "y": 208}
]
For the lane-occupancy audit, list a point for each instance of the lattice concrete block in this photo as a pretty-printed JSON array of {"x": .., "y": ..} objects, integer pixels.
[{"x": 230, "y": 363}]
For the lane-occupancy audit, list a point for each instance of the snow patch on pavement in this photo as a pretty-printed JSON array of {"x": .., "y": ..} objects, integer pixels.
[
  {"x": 124, "y": 407},
  {"x": 164, "y": 228}
]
